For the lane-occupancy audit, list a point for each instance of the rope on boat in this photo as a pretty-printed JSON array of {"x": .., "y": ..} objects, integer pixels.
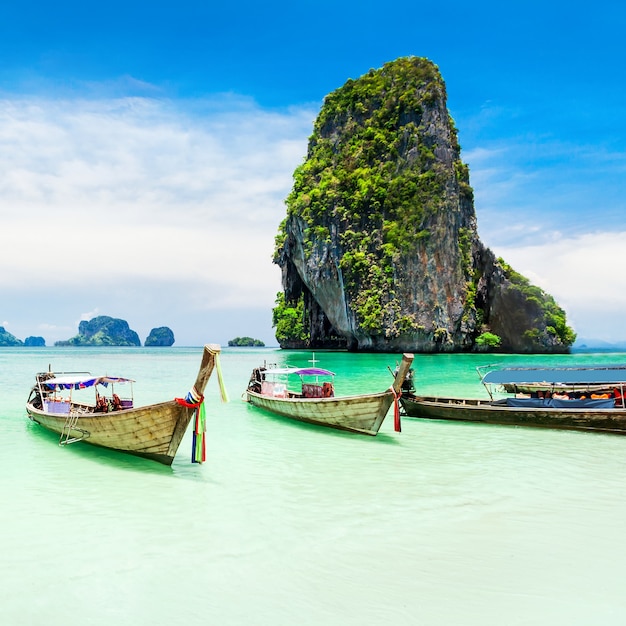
[{"x": 397, "y": 426}]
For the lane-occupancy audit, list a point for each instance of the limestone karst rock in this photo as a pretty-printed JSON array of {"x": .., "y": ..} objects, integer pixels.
[
  {"x": 103, "y": 331},
  {"x": 379, "y": 250},
  {"x": 9, "y": 340},
  {"x": 160, "y": 337},
  {"x": 34, "y": 342}
]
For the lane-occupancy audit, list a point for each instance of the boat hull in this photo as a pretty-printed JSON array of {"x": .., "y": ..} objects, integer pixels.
[
  {"x": 153, "y": 432},
  {"x": 362, "y": 414},
  {"x": 484, "y": 411}
]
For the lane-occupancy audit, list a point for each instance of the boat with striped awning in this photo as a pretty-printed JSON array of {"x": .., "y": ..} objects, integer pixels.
[{"x": 100, "y": 410}]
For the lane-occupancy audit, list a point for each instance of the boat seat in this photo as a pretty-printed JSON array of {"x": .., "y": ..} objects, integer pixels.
[
  {"x": 310, "y": 390},
  {"x": 57, "y": 407},
  {"x": 555, "y": 403},
  {"x": 280, "y": 390}
]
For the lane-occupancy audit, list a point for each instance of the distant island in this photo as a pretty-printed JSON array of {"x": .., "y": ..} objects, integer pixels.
[
  {"x": 7, "y": 339},
  {"x": 110, "y": 331},
  {"x": 160, "y": 337},
  {"x": 246, "y": 342},
  {"x": 99, "y": 331},
  {"x": 103, "y": 331},
  {"x": 35, "y": 342}
]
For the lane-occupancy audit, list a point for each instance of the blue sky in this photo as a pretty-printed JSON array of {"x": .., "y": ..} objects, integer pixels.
[{"x": 146, "y": 149}]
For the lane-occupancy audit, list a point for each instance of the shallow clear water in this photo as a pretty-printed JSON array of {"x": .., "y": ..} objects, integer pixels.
[{"x": 286, "y": 523}]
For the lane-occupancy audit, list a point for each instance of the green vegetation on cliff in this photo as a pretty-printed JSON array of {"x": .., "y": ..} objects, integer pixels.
[
  {"x": 379, "y": 248},
  {"x": 552, "y": 316},
  {"x": 377, "y": 178},
  {"x": 288, "y": 320}
]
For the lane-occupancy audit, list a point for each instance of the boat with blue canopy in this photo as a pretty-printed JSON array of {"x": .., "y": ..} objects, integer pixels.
[
  {"x": 577, "y": 397},
  {"x": 100, "y": 410}
]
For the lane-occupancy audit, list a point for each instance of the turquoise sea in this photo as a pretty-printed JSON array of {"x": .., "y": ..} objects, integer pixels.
[{"x": 286, "y": 523}]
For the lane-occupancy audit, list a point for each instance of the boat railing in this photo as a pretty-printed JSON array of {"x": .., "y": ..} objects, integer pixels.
[
  {"x": 70, "y": 426},
  {"x": 482, "y": 374}
]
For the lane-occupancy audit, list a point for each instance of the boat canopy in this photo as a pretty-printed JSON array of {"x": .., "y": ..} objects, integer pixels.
[
  {"x": 592, "y": 375},
  {"x": 81, "y": 381},
  {"x": 299, "y": 371}
]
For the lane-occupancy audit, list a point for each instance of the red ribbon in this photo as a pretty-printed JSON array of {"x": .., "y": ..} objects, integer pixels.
[
  {"x": 396, "y": 410},
  {"x": 189, "y": 405}
]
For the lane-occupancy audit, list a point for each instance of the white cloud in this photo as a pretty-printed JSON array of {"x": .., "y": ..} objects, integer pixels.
[
  {"x": 135, "y": 192},
  {"x": 584, "y": 274}
]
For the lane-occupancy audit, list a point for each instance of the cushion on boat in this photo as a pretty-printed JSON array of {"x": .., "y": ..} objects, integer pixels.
[
  {"x": 557, "y": 403},
  {"x": 310, "y": 390}
]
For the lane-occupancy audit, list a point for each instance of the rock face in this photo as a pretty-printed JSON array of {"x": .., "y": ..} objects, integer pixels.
[
  {"x": 7, "y": 339},
  {"x": 380, "y": 245},
  {"x": 34, "y": 342},
  {"x": 160, "y": 337},
  {"x": 103, "y": 331}
]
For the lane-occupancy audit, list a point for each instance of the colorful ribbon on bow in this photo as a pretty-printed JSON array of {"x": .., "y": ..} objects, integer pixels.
[{"x": 194, "y": 400}]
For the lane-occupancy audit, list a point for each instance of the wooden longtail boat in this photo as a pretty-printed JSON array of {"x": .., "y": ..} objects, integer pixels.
[
  {"x": 108, "y": 420},
  {"x": 314, "y": 402},
  {"x": 574, "y": 398}
]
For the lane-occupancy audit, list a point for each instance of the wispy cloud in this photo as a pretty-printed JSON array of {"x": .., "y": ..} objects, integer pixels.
[
  {"x": 130, "y": 192},
  {"x": 532, "y": 179}
]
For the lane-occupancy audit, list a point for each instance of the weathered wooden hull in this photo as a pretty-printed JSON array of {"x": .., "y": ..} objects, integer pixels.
[
  {"x": 360, "y": 414},
  {"x": 153, "y": 432},
  {"x": 472, "y": 410}
]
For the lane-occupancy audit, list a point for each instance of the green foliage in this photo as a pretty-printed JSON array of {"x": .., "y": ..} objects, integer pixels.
[
  {"x": 372, "y": 172},
  {"x": 471, "y": 275},
  {"x": 488, "y": 340},
  {"x": 288, "y": 319},
  {"x": 553, "y": 316},
  {"x": 441, "y": 335},
  {"x": 246, "y": 342}
]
